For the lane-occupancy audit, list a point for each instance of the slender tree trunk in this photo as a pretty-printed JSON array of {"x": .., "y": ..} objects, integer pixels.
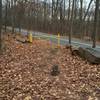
[
  {"x": 71, "y": 26},
  {"x": 6, "y": 13},
  {"x": 88, "y": 9},
  {"x": 64, "y": 17},
  {"x": 12, "y": 7},
  {"x": 52, "y": 8},
  {"x": 44, "y": 17},
  {"x": 69, "y": 10},
  {"x": 0, "y": 25},
  {"x": 64, "y": 9},
  {"x": 95, "y": 23},
  {"x": 61, "y": 19},
  {"x": 75, "y": 9},
  {"x": 81, "y": 19}
]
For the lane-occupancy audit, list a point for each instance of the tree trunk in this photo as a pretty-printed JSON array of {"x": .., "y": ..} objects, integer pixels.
[
  {"x": 95, "y": 23},
  {"x": 6, "y": 13},
  {"x": 88, "y": 9},
  {"x": 12, "y": 7},
  {"x": 71, "y": 25},
  {"x": 0, "y": 25},
  {"x": 81, "y": 19},
  {"x": 69, "y": 10}
]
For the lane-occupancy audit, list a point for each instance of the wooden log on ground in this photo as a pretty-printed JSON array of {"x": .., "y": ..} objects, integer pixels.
[
  {"x": 90, "y": 54},
  {"x": 21, "y": 39},
  {"x": 74, "y": 50},
  {"x": 68, "y": 46},
  {"x": 82, "y": 52}
]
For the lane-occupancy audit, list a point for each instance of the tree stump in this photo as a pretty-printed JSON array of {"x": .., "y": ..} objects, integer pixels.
[{"x": 55, "y": 70}]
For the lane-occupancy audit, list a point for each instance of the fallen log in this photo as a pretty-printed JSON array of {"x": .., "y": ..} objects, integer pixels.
[
  {"x": 74, "y": 50},
  {"x": 21, "y": 39},
  {"x": 90, "y": 54}
]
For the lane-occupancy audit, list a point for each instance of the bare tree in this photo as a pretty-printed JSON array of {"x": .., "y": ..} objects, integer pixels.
[
  {"x": 81, "y": 18},
  {"x": 0, "y": 25},
  {"x": 87, "y": 9},
  {"x": 71, "y": 25},
  {"x": 64, "y": 16},
  {"x": 69, "y": 10},
  {"x": 44, "y": 13},
  {"x": 95, "y": 23},
  {"x": 6, "y": 13}
]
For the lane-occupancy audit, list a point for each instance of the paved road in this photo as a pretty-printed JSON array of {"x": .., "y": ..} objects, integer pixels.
[{"x": 54, "y": 39}]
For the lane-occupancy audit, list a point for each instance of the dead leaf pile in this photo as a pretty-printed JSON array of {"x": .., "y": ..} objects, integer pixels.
[{"x": 25, "y": 73}]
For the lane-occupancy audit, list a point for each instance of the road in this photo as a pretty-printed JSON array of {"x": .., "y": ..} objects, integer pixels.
[{"x": 54, "y": 39}]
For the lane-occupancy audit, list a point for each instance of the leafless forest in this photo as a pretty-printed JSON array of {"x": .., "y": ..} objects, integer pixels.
[
  {"x": 64, "y": 66},
  {"x": 68, "y": 17}
]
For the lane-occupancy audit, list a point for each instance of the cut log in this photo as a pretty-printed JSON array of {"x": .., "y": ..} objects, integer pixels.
[
  {"x": 21, "y": 39},
  {"x": 75, "y": 50},
  {"x": 68, "y": 46},
  {"x": 90, "y": 54},
  {"x": 82, "y": 52}
]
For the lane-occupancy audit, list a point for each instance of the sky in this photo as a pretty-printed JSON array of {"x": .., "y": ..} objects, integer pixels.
[{"x": 86, "y": 2}]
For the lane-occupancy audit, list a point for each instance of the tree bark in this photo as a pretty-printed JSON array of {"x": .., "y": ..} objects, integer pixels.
[
  {"x": 95, "y": 23},
  {"x": 81, "y": 19},
  {"x": 0, "y": 25},
  {"x": 87, "y": 9},
  {"x": 6, "y": 13},
  {"x": 12, "y": 7},
  {"x": 71, "y": 25},
  {"x": 69, "y": 10}
]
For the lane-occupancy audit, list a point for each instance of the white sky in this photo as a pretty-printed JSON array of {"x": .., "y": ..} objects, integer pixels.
[{"x": 86, "y": 2}]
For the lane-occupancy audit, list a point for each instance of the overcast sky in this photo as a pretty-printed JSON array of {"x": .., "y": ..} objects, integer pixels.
[{"x": 86, "y": 2}]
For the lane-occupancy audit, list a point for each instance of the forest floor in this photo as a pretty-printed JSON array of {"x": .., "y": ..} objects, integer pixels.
[{"x": 25, "y": 73}]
